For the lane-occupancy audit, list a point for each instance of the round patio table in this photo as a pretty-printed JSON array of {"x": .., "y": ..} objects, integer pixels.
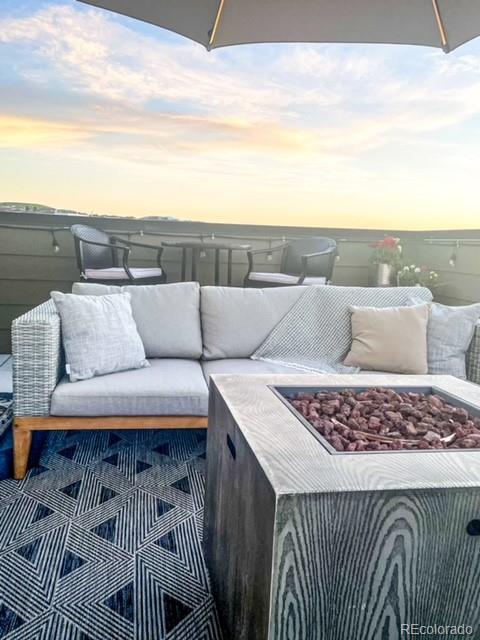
[{"x": 197, "y": 246}]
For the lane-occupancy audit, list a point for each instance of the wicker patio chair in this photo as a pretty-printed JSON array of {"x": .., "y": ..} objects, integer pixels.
[
  {"x": 304, "y": 261},
  {"x": 104, "y": 259}
]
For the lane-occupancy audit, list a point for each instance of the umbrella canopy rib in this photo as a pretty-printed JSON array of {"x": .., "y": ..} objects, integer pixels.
[
  {"x": 441, "y": 26},
  {"x": 216, "y": 24}
]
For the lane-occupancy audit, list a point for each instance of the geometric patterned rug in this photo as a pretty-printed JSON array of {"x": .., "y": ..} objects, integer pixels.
[{"x": 102, "y": 541}]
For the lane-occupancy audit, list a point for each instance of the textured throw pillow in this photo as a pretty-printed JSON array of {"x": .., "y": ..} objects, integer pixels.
[
  {"x": 392, "y": 339},
  {"x": 99, "y": 334},
  {"x": 449, "y": 334}
]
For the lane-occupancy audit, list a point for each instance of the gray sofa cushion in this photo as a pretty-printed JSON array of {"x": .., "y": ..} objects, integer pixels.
[
  {"x": 236, "y": 321},
  {"x": 450, "y": 332},
  {"x": 167, "y": 387},
  {"x": 167, "y": 316},
  {"x": 99, "y": 335}
]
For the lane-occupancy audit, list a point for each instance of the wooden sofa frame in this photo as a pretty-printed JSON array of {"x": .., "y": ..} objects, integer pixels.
[{"x": 25, "y": 426}]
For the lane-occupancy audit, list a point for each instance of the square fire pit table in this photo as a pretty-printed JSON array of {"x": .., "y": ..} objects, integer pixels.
[{"x": 305, "y": 544}]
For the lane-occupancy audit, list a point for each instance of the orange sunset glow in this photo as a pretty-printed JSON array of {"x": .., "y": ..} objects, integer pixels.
[{"x": 103, "y": 114}]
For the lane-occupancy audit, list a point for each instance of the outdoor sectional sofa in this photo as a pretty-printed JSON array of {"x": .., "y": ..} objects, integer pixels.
[{"x": 200, "y": 331}]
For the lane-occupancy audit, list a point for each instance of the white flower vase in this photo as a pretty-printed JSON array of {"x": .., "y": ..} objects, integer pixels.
[{"x": 382, "y": 275}]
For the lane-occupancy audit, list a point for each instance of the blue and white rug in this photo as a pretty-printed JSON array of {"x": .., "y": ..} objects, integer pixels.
[{"x": 102, "y": 541}]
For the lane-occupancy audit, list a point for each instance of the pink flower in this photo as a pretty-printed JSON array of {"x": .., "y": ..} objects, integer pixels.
[{"x": 389, "y": 242}]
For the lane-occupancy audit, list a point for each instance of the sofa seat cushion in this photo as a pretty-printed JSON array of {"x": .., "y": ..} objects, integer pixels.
[
  {"x": 283, "y": 278},
  {"x": 236, "y": 321},
  {"x": 119, "y": 273},
  {"x": 242, "y": 366},
  {"x": 168, "y": 387}
]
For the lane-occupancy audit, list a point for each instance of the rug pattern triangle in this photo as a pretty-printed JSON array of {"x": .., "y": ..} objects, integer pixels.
[{"x": 102, "y": 541}]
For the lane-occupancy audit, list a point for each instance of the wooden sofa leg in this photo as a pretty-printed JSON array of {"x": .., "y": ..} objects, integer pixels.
[{"x": 22, "y": 441}]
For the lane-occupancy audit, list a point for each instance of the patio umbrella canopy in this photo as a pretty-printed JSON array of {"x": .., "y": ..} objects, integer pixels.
[{"x": 219, "y": 23}]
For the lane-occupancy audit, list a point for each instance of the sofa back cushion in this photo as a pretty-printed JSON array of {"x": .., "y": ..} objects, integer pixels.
[
  {"x": 167, "y": 316},
  {"x": 236, "y": 321}
]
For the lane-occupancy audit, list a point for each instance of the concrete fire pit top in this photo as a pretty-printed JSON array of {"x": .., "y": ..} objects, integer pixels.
[{"x": 295, "y": 462}]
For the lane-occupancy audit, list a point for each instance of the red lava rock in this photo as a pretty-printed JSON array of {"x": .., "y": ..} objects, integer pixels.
[
  {"x": 410, "y": 429},
  {"x": 342, "y": 430},
  {"x": 435, "y": 401},
  {"x": 461, "y": 415},
  {"x": 423, "y": 427},
  {"x": 336, "y": 443},
  {"x": 462, "y": 431},
  {"x": 345, "y": 409},
  {"x": 383, "y": 419},
  {"x": 306, "y": 396},
  {"x": 470, "y": 442},
  {"x": 393, "y": 416},
  {"x": 423, "y": 444},
  {"x": 329, "y": 408}
]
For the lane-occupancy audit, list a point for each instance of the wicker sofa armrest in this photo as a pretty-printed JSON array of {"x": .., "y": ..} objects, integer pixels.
[
  {"x": 473, "y": 357},
  {"x": 37, "y": 359}
]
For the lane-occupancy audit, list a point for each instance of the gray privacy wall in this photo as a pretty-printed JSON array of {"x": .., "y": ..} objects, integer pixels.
[{"x": 29, "y": 268}]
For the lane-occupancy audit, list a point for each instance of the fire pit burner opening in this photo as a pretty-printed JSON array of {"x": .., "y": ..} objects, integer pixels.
[{"x": 382, "y": 419}]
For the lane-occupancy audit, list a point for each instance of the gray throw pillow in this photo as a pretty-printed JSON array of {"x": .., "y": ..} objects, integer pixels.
[
  {"x": 99, "y": 334},
  {"x": 449, "y": 334}
]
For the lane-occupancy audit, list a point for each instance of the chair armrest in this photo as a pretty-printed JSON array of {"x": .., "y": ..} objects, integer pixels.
[
  {"x": 473, "y": 357},
  {"x": 311, "y": 256},
  {"x": 325, "y": 252},
  {"x": 255, "y": 252},
  {"x": 37, "y": 359},
  {"x": 142, "y": 245},
  {"x": 279, "y": 247},
  {"x": 131, "y": 243}
]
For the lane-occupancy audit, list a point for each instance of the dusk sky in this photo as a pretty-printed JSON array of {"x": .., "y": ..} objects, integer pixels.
[{"x": 104, "y": 114}]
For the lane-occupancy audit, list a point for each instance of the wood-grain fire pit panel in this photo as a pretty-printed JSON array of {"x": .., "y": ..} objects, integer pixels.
[{"x": 305, "y": 545}]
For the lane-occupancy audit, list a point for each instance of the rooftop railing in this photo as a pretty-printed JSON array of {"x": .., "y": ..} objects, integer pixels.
[{"x": 37, "y": 255}]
